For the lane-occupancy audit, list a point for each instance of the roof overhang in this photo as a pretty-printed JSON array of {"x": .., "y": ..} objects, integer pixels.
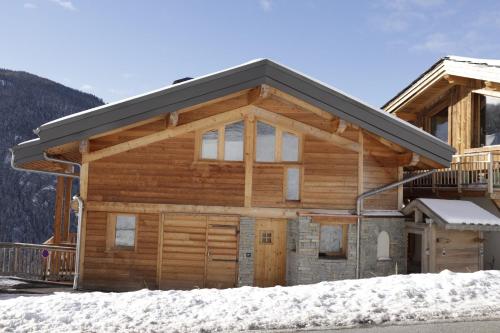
[
  {"x": 86, "y": 124},
  {"x": 455, "y": 214}
]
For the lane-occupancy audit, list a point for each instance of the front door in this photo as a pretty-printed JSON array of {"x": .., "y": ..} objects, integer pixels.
[
  {"x": 270, "y": 252},
  {"x": 198, "y": 251}
]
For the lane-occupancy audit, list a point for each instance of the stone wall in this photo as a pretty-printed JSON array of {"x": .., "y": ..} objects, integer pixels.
[
  {"x": 246, "y": 251},
  {"x": 304, "y": 265}
]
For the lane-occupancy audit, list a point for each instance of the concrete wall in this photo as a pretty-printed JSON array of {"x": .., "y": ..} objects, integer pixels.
[{"x": 304, "y": 265}]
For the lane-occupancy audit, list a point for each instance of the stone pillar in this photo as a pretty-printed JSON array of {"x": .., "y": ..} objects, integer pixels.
[{"x": 246, "y": 251}]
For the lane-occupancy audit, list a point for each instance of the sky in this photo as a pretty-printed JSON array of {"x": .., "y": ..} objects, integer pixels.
[{"x": 118, "y": 49}]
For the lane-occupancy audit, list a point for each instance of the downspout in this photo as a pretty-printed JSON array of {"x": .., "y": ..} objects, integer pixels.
[
  {"x": 76, "y": 277},
  {"x": 359, "y": 202},
  {"x": 80, "y": 201}
]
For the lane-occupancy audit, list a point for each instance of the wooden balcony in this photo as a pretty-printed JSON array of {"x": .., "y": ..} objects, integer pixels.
[
  {"x": 472, "y": 172},
  {"x": 37, "y": 261}
]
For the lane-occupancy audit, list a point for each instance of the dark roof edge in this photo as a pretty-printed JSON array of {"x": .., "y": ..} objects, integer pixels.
[{"x": 98, "y": 120}]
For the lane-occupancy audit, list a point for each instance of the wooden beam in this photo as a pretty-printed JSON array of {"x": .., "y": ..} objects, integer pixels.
[
  {"x": 212, "y": 121},
  {"x": 387, "y": 143},
  {"x": 458, "y": 80},
  {"x": 173, "y": 119},
  {"x": 84, "y": 179},
  {"x": 400, "y": 188},
  {"x": 59, "y": 205},
  {"x": 249, "y": 157},
  {"x": 145, "y": 208},
  {"x": 341, "y": 125},
  {"x": 414, "y": 159},
  {"x": 297, "y": 101},
  {"x": 68, "y": 184},
  {"x": 492, "y": 85},
  {"x": 305, "y": 128}
]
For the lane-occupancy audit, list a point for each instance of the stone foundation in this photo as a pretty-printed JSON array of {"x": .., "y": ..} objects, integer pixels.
[
  {"x": 246, "y": 251},
  {"x": 304, "y": 265}
]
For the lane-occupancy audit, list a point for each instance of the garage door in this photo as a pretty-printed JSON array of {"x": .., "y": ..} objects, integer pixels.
[{"x": 199, "y": 251}]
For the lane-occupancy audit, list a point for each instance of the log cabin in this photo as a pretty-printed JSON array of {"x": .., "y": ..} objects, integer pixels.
[
  {"x": 458, "y": 101},
  {"x": 255, "y": 175}
]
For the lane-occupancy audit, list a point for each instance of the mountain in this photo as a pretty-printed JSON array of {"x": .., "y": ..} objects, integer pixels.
[{"x": 27, "y": 200}]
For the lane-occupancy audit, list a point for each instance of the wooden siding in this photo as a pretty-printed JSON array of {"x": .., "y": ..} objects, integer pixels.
[
  {"x": 120, "y": 270},
  {"x": 165, "y": 172},
  {"x": 376, "y": 175},
  {"x": 457, "y": 250}
]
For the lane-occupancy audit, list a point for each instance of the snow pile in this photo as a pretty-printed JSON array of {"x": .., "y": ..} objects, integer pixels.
[{"x": 397, "y": 298}]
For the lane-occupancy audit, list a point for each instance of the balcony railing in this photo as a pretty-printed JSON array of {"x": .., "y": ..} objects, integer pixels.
[
  {"x": 467, "y": 171},
  {"x": 37, "y": 261}
]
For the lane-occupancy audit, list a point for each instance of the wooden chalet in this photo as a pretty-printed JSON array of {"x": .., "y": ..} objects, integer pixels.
[
  {"x": 458, "y": 101},
  {"x": 255, "y": 175}
]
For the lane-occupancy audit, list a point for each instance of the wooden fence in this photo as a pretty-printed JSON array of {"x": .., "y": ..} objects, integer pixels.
[{"x": 37, "y": 261}]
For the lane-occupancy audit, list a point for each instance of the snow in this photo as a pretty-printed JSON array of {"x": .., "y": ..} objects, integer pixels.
[
  {"x": 460, "y": 212},
  {"x": 397, "y": 298}
]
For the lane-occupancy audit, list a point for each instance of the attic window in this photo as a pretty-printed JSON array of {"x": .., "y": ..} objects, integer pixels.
[
  {"x": 224, "y": 143},
  {"x": 276, "y": 145},
  {"x": 439, "y": 125}
]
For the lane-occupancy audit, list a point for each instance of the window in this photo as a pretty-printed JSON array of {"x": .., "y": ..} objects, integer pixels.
[
  {"x": 439, "y": 125},
  {"x": 290, "y": 147},
  {"x": 266, "y": 237},
  {"x": 292, "y": 185},
  {"x": 121, "y": 231},
  {"x": 489, "y": 113},
  {"x": 333, "y": 241},
  {"x": 209, "y": 143},
  {"x": 233, "y": 142},
  {"x": 224, "y": 143},
  {"x": 383, "y": 246},
  {"x": 266, "y": 143},
  {"x": 276, "y": 145}
]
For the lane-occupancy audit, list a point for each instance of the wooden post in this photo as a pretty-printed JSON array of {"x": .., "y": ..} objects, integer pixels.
[
  {"x": 459, "y": 174},
  {"x": 59, "y": 204},
  {"x": 490, "y": 172},
  {"x": 84, "y": 178},
  {"x": 249, "y": 155},
  {"x": 68, "y": 182},
  {"x": 361, "y": 178}
]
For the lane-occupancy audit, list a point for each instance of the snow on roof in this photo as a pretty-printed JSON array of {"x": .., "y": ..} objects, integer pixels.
[{"x": 454, "y": 213}]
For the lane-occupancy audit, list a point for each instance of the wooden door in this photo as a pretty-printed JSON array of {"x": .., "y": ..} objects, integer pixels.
[
  {"x": 198, "y": 251},
  {"x": 270, "y": 252},
  {"x": 222, "y": 252}
]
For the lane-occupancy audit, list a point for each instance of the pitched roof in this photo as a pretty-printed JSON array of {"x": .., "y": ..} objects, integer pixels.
[
  {"x": 455, "y": 214},
  {"x": 85, "y": 124},
  {"x": 474, "y": 68}
]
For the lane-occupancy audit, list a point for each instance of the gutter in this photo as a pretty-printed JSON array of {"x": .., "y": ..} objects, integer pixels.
[
  {"x": 49, "y": 159},
  {"x": 359, "y": 202}
]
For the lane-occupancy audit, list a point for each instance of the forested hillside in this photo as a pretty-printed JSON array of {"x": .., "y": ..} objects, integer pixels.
[{"x": 26, "y": 102}]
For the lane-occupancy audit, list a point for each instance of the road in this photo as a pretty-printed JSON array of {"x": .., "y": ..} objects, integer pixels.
[{"x": 487, "y": 326}]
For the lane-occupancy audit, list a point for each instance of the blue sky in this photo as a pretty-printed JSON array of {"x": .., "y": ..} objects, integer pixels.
[{"x": 117, "y": 49}]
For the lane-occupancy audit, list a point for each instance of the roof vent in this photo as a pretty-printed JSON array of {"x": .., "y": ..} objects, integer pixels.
[{"x": 187, "y": 78}]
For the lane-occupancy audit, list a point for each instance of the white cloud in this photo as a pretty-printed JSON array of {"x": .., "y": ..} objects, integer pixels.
[
  {"x": 266, "y": 5},
  {"x": 29, "y": 5},
  {"x": 66, "y": 4},
  {"x": 126, "y": 75},
  {"x": 87, "y": 87},
  {"x": 436, "y": 42}
]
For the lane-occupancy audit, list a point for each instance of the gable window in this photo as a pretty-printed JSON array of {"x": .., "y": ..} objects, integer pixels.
[
  {"x": 121, "y": 231},
  {"x": 333, "y": 241},
  {"x": 276, "y": 145},
  {"x": 266, "y": 143},
  {"x": 290, "y": 147},
  {"x": 439, "y": 125},
  {"x": 489, "y": 114},
  {"x": 233, "y": 141},
  {"x": 209, "y": 145},
  {"x": 224, "y": 143}
]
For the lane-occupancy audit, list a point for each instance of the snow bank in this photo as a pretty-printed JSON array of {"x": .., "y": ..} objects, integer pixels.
[{"x": 398, "y": 298}]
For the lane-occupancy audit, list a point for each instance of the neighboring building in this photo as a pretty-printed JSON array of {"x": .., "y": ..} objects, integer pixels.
[
  {"x": 249, "y": 176},
  {"x": 458, "y": 101}
]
